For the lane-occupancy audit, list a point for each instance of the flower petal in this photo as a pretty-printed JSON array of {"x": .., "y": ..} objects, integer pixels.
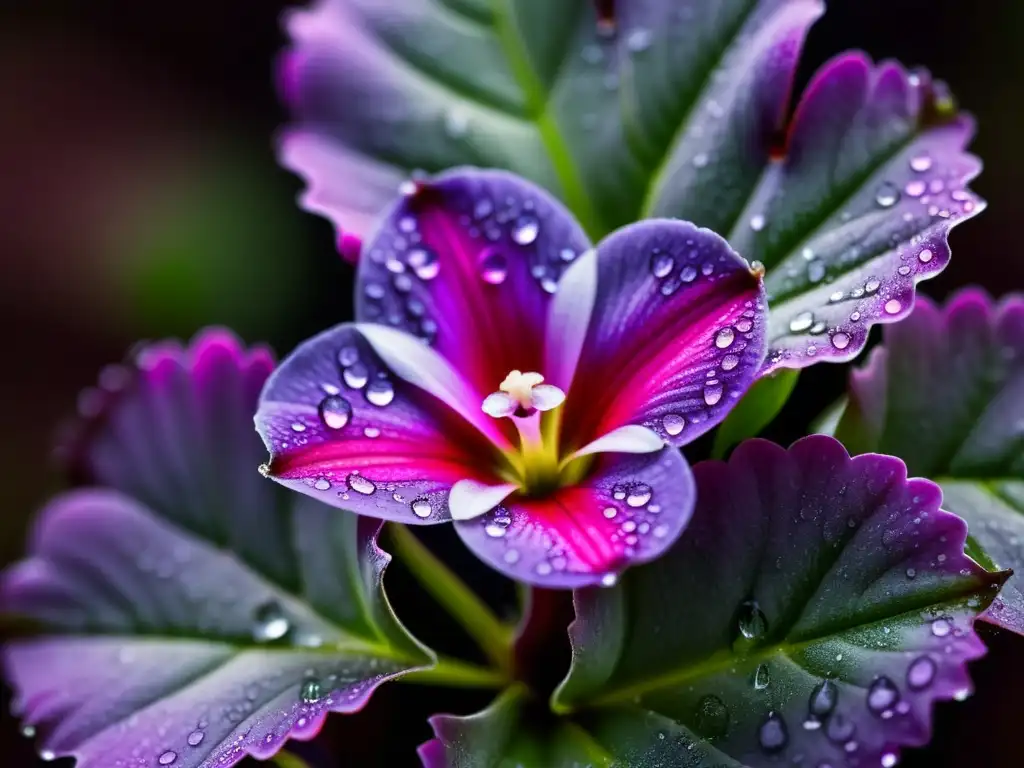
[
  {"x": 342, "y": 428},
  {"x": 627, "y": 511},
  {"x": 469, "y": 498},
  {"x": 676, "y": 334},
  {"x": 469, "y": 260}
]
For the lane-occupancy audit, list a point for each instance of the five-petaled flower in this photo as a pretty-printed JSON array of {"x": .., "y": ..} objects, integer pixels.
[{"x": 505, "y": 375}]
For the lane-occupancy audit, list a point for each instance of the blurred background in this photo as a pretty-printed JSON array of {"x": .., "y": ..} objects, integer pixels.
[{"x": 140, "y": 198}]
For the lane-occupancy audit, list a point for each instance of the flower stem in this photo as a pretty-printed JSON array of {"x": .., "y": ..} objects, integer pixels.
[
  {"x": 492, "y": 635},
  {"x": 452, "y": 673}
]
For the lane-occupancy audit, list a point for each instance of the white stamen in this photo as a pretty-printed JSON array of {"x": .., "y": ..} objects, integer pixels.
[
  {"x": 499, "y": 405},
  {"x": 522, "y": 391}
]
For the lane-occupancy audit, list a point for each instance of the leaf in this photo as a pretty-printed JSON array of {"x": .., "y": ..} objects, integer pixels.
[
  {"x": 946, "y": 393},
  {"x": 759, "y": 406},
  {"x": 191, "y": 613},
  {"x": 674, "y": 108},
  {"x": 815, "y": 608}
]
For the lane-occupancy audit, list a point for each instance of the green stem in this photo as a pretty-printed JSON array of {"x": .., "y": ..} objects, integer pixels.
[
  {"x": 452, "y": 673},
  {"x": 493, "y": 636},
  {"x": 287, "y": 760}
]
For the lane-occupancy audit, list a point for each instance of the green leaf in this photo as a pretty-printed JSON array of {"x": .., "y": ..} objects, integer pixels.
[
  {"x": 759, "y": 406},
  {"x": 945, "y": 393},
  {"x": 815, "y": 608}
]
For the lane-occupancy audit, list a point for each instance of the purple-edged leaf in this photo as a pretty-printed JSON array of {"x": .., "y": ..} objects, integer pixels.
[
  {"x": 628, "y": 510},
  {"x": 664, "y": 109},
  {"x": 946, "y": 394},
  {"x": 469, "y": 261},
  {"x": 815, "y": 607},
  {"x": 193, "y": 612},
  {"x": 859, "y": 208},
  {"x": 675, "y": 335}
]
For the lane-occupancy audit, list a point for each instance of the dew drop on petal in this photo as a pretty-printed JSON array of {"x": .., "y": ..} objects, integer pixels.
[
  {"x": 424, "y": 263},
  {"x": 801, "y": 322},
  {"x": 322, "y": 484},
  {"x": 609, "y": 580},
  {"x": 712, "y": 392},
  {"x": 724, "y": 338},
  {"x": 887, "y": 195},
  {"x": 298, "y": 427},
  {"x": 674, "y": 423},
  {"x": 493, "y": 266},
  {"x": 360, "y": 484},
  {"x": 920, "y": 673},
  {"x": 729, "y": 362},
  {"x": 823, "y": 699},
  {"x": 348, "y": 355},
  {"x": 889, "y": 760},
  {"x": 941, "y": 627},
  {"x": 840, "y": 340},
  {"x": 773, "y": 736},
  {"x": 335, "y": 411},
  {"x": 914, "y": 188},
  {"x": 840, "y": 728},
  {"x": 311, "y": 692},
  {"x": 688, "y": 274},
  {"x": 421, "y": 508},
  {"x": 639, "y": 495},
  {"x": 371, "y": 432},
  {"x": 380, "y": 392},
  {"x": 882, "y": 695},
  {"x": 196, "y": 738},
  {"x": 925, "y": 255},
  {"x": 526, "y": 229},
  {"x": 167, "y": 757},
  {"x": 662, "y": 264},
  {"x": 893, "y": 306},
  {"x": 269, "y": 622},
  {"x": 355, "y": 376},
  {"x": 921, "y": 163}
]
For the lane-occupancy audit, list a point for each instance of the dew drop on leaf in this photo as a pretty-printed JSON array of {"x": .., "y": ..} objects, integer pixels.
[
  {"x": 752, "y": 622},
  {"x": 823, "y": 699},
  {"x": 762, "y": 677},
  {"x": 711, "y": 717}
]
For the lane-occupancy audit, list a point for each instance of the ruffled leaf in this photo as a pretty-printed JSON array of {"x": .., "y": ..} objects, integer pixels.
[
  {"x": 664, "y": 109},
  {"x": 192, "y": 612},
  {"x": 835, "y": 605},
  {"x": 946, "y": 394}
]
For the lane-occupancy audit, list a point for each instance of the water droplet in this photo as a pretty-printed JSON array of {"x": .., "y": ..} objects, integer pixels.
[
  {"x": 639, "y": 495},
  {"x": 371, "y": 432},
  {"x": 801, "y": 322},
  {"x": 752, "y": 622},
  {"x": 374, "y": 291},
  {"x": 911, "y": 573},
  {"x": 28, "y": 731},
  {"x": 921, "y": 163},
  {"x": 712, "y": 392},
  {"x": 729, "y": 362},
  {"x": 311, "y": 692},
  {"x": 941, "y": 627},
  {"x": 196, "y": 738},
  {"x": 773, "y": 734},
  {"x": 167, "y": 757},
  {"x": 662, "y": 264},
  {"x": 511, "y": 556},
  {"x": 348, "y": 355},
  {"x": 872, "y": 285},
  {"x": 493, "y": 266},
  {"x": 322, "y": 484},
  {"x": 889, "y": 759},
  {"x": 757, "y": 223},
  {"x": 424, "y": 263},
  {"x": 355, "y": 376},
  {"x": 887, "y": 195},
  {"x": 893, "y": 306},
  {"x": 360, "y": 484},
  {"x": 456, "y": 123},
  {"x": 421, "y": 508},
  {"x": 688, "y": 273},
  {"x": 483, "y": 208},
  {"x": 840, "y": 340},
  {"x": 298, "y": 427},
  {"x": 840, "y": 728},
  {"x": 816, "y": 271},
  {"x": 526, "y": 229},
  {"x": 914, "y": 188},
  {"x": 882, "y": 695},
  {"x": 638, "y": 40},
  {"x": 380, "y": 392},
  {"x": 724, "y": 337},
  {"x": 609, "y": 580},
  {"x": 823, "y": 699},
  {"x": 762, "y": 677},
  {"x": 836, "y": 296},
  {"x": 47, "y": 755},
  {"x": 925, "y": 255},
  {"x": 270, "y": 623},
  {"x": 920, "y": 673},
  {"x": 674, "y": 423},
  {"x": 711, "y": 717}
]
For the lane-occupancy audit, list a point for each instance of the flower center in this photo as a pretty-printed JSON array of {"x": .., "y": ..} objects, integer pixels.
[{"x": 533, "y": 407}]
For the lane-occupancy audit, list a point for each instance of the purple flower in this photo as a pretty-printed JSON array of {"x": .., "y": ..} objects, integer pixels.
[{"x": 504, "y": 375}]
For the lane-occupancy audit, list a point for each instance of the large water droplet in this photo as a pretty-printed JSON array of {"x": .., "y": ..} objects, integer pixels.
[
  {"x": 167, "y": 757},
  {"x": 921, "y": 163},
  {"x": 882, "y": 695},
  {"x": 921, "y": 673},
  {"x": 380, "y": 392},
  {"x": 497, "y": 527},
  {"x": 729, "y": 362},
  {"x": 752, "y": 622},
  {"x": 915, "y": 188},
  {"x": 269, "y": 622},
  {"x": 355, "y": 376},
  {"x": 526, "y": 229},
  {"x": 823, "y": 699},
  {"x": 639, "y": 495},
  {"x": 673, "y": 424},
  {"x": 712, "y": 392},
  {"x": 688, "y": 274},
  {"x": 925, "y": 255},
  {"x": 887, "y": 195},
  {"x": 360, "y": 484},
  {"x": 801, "y": 322},
  {"x": 889, "y": 759},
  {"x": 196, "y": 738},
  {"x": 893, "y": 306},
  {"x": 724, "y": 337},
  {"x": 424, "y": 263},
  {"x": 662, "y": 264},
  {"x": 311, "y": 692},
  {"x": 493, "y": 266},
  {"x": 941, "y": 627},
  {"x": 711, "y": 717},
  {"x": 757, "y": 222},
  {"x": 840, "y": 340},
  {"x": 421, "y": 508},
  {"x": 773, "y": 734},
  {"x": 762, "y": 677}
]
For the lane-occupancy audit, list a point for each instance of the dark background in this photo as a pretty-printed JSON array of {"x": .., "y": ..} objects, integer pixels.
[{"x": 139, "y": 198}]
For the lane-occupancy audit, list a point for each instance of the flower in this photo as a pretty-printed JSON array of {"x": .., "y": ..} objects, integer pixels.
[{"x": 505, "y": 375}]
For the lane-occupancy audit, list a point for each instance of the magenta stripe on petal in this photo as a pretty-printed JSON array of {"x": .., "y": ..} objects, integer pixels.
[
  {"x": 629, "y": 510},
  {"x": 676, "y": 336},
  {"x": 342, "y": 428},
  {"x": 468, "y": 261}
]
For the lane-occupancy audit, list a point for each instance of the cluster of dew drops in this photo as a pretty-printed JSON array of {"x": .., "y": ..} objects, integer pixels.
[
  {"x": 883, "y": 698},
  {"x": 928, "y": 193}
]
